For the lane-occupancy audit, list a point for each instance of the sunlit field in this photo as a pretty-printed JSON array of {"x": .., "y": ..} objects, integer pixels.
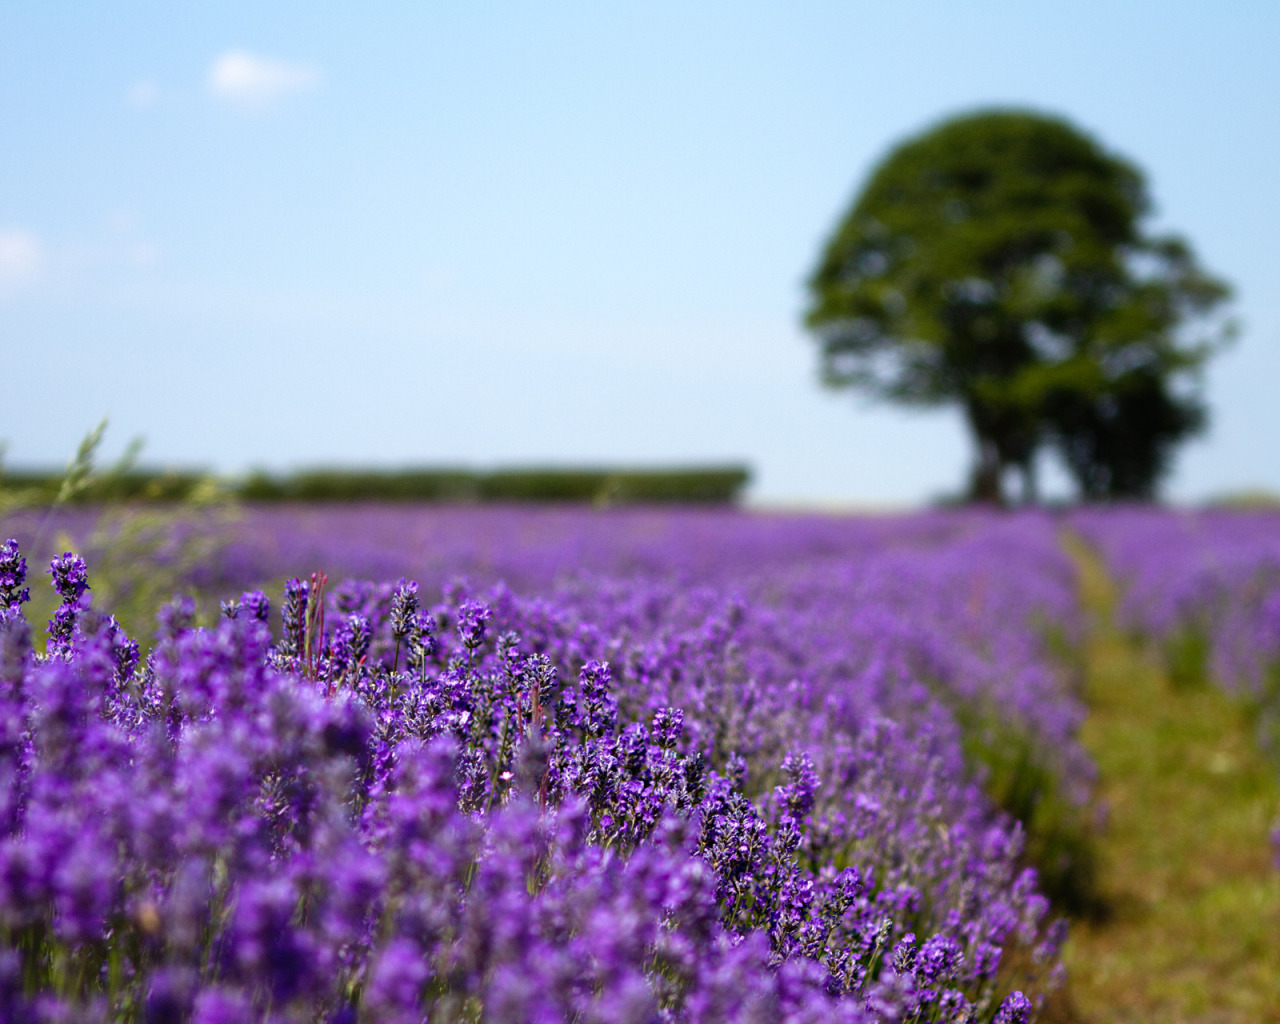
[{"x": 382, "y": 763}]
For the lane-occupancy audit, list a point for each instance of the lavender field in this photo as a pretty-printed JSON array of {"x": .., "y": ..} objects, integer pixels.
[{"x": 404, "y": 763}]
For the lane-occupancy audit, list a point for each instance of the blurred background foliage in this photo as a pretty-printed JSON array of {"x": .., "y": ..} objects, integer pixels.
[
  {"x": 146, "y": 537},
  {"x": 598, "y": 486}
]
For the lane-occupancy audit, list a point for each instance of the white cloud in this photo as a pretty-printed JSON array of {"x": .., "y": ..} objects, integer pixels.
[
  {"x": 22, "y": 259},
  {"x": 144, "y": 93},
  {"x": 116, "y": 254},
  {"x": 252, "y": 81}
]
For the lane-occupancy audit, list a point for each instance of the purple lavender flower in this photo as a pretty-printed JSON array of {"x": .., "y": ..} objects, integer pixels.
[
  {"x": 668, "y": 727},
  {"x": 70, "y": 576},
  {"x": 423, "y": 642},
  {"x": 350, "y": 643},
  {"x": 1016, "y": 1009},
  {"x": 256, "y": 605},
  {"x": 15, "y": 646},
  {"x": 13, "y": 1005},
  {"x": 939, "y": 959},
  {"x": 175, "y": 617},
  {"x": 802, "y": 783},
  {"x": 404, "y": 609},
  {"x": 223, "y": 1006},
  {"x": 266, "y": 947},
  {"x": 13, "y": 573},
  {"x": 124, "y": 649},
  {"x": 630, "y": 806},
  {"x": 473, "y": 621},
  {"x": 62, "y": 626},
  {"x": 294, "y": 618},
  {"x": 171, "y": 996},
  {"x": 396, "y": 981},
  {"x": 598, "y": 709}
]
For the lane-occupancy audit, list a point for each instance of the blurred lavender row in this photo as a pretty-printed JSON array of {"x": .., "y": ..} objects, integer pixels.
[
  {"x": 678, "y": 766},
  {"x": 1206, "y": 586}
]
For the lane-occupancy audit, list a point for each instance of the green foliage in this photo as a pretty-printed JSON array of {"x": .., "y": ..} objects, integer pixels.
[
  {"x": 1262, "y": 708},
  {"x": 715, "y": 485},
  {"x": 998, "y": 262},
  {"x": 1186, "y": 656},
  {"x": 141, "y": 556},
  {"x": 1185, "y": 864},
  {"x": 1250, "y": 499},
  {"x": 1019, "y": 779},
  {"x": 84, "y": 483},
  {"x": 140, "y": 552},
  {"x": 80, "y": 469},
  {"x": 356, "y": 485},
  {"x": 135, "y": 486}
]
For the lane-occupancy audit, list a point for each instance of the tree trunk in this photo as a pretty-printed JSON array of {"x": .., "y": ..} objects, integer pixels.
[
  {"x": 986, "y": 485},
  {"x": 1030, "y": 482}
]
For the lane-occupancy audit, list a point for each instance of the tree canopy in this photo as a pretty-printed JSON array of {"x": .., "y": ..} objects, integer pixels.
[{"x": 999, "y": 262}]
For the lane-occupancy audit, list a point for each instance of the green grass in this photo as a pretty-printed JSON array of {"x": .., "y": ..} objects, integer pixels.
[{"x": 1191, "y": 927}]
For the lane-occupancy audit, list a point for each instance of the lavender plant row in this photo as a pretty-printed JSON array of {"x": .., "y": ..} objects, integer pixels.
[
  {"x": 737, "y": 791},
  {"x": 1206, "y": 585}
]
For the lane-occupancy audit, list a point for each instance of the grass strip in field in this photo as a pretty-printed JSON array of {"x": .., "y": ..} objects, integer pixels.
[{"x": 1191, "y": 930}]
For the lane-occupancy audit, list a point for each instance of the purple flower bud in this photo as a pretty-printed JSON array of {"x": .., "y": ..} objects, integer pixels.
[
  {"x": 598, "y": 712},
  {"x": 668, "y": 727},
  {"x": 1016, "y": 1009},
  {"x": 62, "y": 627},
  {"x": 938, "y": 960},
  {"x": 70, "y": 576},
  {"x": 294, "y": 618},
  {"x": 218, "y": 1006},
  {"x": 124, "y": 649},
  {"x": 175, "y": 618},
  {"x": 473, "y": 621},
  {"x": 986, "y": 960},
  {"x": 171, "y": 995},
  {"x": 13, "y": 573},
  {"x": 802, "y": 782},
  {"x": 404, "y": 608},
  {"x": 15, "y": 645},
  {"x": 396, "y": 981},
  {"x": 255, "y": 605},
  {"x": 423, "y": 638},
  {"x": 903, "y": 957}
]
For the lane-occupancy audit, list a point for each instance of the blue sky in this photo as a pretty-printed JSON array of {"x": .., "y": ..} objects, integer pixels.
[{"x": 500, "y": 234}]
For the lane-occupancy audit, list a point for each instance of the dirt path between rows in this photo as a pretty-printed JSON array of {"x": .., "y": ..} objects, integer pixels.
[{"x": 1192, "y": 926}]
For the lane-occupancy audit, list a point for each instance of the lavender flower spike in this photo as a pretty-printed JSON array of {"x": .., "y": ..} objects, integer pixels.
[
  {"x": 13, "y": 573},
  {"x": 70, "y": 577}
]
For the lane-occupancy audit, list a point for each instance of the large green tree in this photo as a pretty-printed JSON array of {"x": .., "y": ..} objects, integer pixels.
[{"x": 1000, "y": 262}]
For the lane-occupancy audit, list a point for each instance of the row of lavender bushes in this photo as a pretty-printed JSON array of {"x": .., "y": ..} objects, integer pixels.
[
  {"x": 919, "y": 585},
  {"x": 1205, "y": 586},
  {"x": 681, "y": 766}
]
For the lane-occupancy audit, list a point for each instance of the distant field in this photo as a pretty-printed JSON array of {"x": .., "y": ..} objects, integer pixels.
[{"x": 687, "y": 763}]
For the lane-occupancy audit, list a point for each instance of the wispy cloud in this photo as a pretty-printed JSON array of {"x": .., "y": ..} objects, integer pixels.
[
  {"x": 22, "y": 260},
  {"x": 254, "y": 82},
  {"x": 144, "y": 93},
  {"x": 29, "y": 262}
]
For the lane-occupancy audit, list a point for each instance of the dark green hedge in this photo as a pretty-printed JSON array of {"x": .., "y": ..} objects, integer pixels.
[
  {"x": 707, "y": 485},
  {"x": 718, "y": 485},
  {"x": 133, "y": 486},
  {"x": 359, "y": 485}
]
